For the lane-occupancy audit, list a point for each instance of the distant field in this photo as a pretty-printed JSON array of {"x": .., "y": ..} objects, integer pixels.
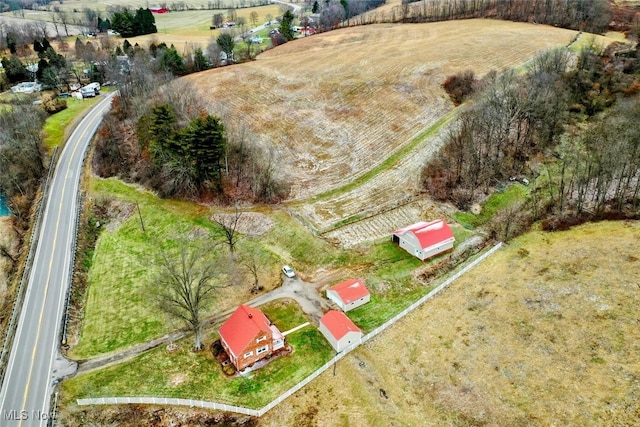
[
  {"x": 337, "y": 104},
  {"x": 181, "y": 28},
  {"x": 545, "y": 332}
]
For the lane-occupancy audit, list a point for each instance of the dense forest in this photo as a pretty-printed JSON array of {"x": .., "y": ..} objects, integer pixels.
[{"x": 568, "y": 125}]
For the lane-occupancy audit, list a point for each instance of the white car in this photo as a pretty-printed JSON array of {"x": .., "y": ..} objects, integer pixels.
[{"x": 288, "y": 271}]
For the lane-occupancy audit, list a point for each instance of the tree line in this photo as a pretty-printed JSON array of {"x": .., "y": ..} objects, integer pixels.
[
  {"x": 570, "y": 129},
  {"x": 592, "y": 16}
]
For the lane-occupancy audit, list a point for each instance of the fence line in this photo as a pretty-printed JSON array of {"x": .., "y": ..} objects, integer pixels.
[{"x": 260, "y": 412}]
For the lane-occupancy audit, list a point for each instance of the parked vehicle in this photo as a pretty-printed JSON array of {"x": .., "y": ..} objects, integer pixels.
[{"x": 288, "y": 271}]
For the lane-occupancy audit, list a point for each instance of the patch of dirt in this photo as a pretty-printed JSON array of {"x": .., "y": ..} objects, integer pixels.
[
  {"x": 250, "y": 224},
  {"x": 176, "y": 380},
  {"x": 118, "y": 212}
]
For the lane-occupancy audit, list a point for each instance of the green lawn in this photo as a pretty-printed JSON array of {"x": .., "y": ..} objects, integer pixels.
[
  {"x": 119, "y": 311},
  {"x": 184, "y": 374},
  {"x": 56, "y": 124}
]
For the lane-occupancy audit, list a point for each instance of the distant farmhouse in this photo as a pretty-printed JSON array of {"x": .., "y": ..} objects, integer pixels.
[
  {"x": 248, "y": 336},
  {"x": 425, "y": 239},
  {"x": 339, "y": 330},
  {"x": 349, "y": 294}
]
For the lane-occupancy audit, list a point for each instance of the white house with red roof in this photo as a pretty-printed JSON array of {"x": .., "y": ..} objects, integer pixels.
[
  {"x": 248, "y": 336},
  {"x": 349, "y": 294},
  {"x": 339, "y": 330},
  {"x": 425, "y": 239}
]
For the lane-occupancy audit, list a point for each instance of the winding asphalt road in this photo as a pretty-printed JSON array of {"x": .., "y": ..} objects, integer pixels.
[{"x": 34, "y": 361}]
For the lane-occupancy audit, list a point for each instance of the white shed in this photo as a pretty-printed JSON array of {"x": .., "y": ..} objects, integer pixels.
[
  {"x": 339, "y": 330},
  {"x": 349, "y": 294},
  {"x": 425, "y": 239}
]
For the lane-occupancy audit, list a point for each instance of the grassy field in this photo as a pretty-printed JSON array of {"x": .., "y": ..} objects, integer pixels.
[
  {"x": 58, "y": 125},
  {"x": 542, "y": 333},
  {"x": 119, "y": 311},
  {"x": 187, "y": 375}
]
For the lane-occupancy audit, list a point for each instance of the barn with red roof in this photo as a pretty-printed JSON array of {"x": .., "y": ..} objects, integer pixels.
[
  {"x": 339, "y": 330},
  {"x": 349, "y": 294},
  {"x": 425, "y": 239},
  {"x": 248, "y": 336}
]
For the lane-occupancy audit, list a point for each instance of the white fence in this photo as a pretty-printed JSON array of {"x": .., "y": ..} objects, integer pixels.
[{"x": 295, "y": 388}]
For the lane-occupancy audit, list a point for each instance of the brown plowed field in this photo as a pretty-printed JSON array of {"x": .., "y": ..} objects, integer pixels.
[{"x": 339, "y": 103}]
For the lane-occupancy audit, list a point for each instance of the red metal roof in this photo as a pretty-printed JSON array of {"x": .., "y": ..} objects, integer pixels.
[
  {"x": 338, "y": 324},
  {"x": 428, "y": 233},
  {"x": 350, "y": 290},
  {"x": 242, "y": 327}
]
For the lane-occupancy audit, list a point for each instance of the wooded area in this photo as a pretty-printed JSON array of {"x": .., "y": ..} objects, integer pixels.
[
  {"x": 572, "y": 131},
  {"x": 592, "y": 16}
]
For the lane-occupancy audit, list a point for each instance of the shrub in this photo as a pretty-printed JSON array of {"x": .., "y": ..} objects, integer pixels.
[{"x": 460, "y": 86}]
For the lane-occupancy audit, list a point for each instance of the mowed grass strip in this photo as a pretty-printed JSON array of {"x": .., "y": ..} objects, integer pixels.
[{"x": 188, "y": 375}]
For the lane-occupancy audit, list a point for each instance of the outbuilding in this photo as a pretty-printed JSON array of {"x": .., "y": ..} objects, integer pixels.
[
  {"x": 425, "y": 239},
  {"x": 339, "y": 330},
  {"x": 349, "y": 294}
]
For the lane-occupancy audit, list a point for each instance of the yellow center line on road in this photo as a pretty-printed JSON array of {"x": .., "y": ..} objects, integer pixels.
[{"x": 46, "y": 289}]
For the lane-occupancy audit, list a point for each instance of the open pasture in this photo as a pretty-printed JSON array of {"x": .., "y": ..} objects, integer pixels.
[
  {"x": 338, "y": 104},
  {"x": 544, "y": 332}
]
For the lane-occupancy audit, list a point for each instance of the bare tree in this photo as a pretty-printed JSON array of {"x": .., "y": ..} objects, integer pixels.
[
  {"x": 253, "y": 17},
  {"x": 228, "y": 231},
  {"x": 187, "y": 282},
  {"x": 63, "y": 17},
  {"x": 251, "y": 264}
]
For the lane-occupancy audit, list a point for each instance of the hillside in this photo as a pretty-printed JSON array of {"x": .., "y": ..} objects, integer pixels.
[
  {"x": 338, "y": 104},
  {"x": 543, "y": 333}
]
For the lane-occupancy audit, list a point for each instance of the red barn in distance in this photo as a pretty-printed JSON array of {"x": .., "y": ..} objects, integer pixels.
[{"x": 159, "y": 10}]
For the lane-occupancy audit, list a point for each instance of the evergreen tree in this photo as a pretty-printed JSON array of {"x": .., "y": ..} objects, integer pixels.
[
  {"x": 286, "y": 25},
  {"x": 127, "y": 48},
  {"x": 14, "y": 70},
  {"x": 170, "y": 60},
  {"x": 226, "y": 44},
  {"x": 200, "y": 148},
  {"x": 315, "y": 7},
  {"x": 37, "y": 47},
  {"x": 199, "y": 61},
  {"x": 161, "y": 129}
]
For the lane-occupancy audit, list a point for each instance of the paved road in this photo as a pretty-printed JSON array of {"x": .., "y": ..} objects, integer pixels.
[{"x": 34, "y": 362}]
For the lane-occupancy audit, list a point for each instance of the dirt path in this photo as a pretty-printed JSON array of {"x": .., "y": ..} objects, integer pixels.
[{"x": 304, "y": 293}]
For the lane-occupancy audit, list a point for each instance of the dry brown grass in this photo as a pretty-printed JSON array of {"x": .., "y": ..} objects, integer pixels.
[
  {"x": 543, "y": 333},
  {"x": 339, "y": 103}
]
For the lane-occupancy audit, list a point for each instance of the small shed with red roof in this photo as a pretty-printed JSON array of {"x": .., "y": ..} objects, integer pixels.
[
  {"x": 349, "y": 294},
  {"x": 248, "y": 336},
  {"x": 425, "y": 239},
  {"x": 339, "y": 330}
]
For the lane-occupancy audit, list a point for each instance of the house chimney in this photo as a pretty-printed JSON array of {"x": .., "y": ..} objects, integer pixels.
[{"x": 250, "y": 315}]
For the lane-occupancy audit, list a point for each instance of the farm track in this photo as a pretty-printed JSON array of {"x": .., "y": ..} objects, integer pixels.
[{"x": 339, "y": 104}]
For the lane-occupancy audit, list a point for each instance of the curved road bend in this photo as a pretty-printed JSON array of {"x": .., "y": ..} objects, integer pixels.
[{"x": 28, "y": 383}]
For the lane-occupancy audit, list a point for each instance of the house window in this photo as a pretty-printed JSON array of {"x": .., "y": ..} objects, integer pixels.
[
  {"x": 261, "y": 339},
  {"x": 262, "y": 349},
  {"x": 249, "y": 354}
]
